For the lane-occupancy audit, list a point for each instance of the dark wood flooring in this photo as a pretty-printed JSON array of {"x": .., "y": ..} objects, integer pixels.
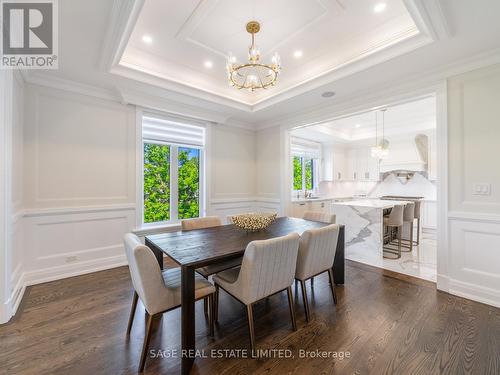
[{"x": 389, "y": 324}]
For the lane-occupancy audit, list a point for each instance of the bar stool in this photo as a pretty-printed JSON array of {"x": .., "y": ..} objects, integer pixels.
[
  {"x": 418, "y": 214},
  {"x": 393, "y": 221},
  {"x": 409, "y": 218}
]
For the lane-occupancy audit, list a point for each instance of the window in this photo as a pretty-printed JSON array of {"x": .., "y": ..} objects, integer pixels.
[
  {"x": 172, "y": 169},
  {"x": 305, "y": 164},
  {"x": 305, "y": 173}
]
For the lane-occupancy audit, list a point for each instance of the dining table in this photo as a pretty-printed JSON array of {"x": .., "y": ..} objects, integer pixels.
[{"x": 205, "y": 248}]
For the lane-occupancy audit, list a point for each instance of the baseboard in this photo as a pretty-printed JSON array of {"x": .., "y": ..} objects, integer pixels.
[
  {"x": 470, "y": 291},
  {"x": 71, "y": 270}
]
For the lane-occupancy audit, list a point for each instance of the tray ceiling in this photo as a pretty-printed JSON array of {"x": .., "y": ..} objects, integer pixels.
[{"x": 182, "y": 44}]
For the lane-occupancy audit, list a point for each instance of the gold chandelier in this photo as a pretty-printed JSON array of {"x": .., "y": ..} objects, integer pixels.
[{"x": 253, "y": 74}]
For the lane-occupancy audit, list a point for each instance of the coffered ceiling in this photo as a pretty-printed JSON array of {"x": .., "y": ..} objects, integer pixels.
[{"x": 185, "y": 42}]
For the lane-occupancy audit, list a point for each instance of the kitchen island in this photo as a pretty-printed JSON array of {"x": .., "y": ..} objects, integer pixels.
[{"x": 363, "y": 220}]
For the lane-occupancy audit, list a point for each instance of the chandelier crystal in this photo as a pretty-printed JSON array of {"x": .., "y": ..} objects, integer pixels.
[{"x": 254, "y": 74}]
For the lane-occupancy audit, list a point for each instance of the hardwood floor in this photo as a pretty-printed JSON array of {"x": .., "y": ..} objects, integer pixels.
[{"x": 388, "y": 323}]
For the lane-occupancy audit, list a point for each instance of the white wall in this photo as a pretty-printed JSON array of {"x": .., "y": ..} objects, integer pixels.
[{"x": 474, "y": 221}]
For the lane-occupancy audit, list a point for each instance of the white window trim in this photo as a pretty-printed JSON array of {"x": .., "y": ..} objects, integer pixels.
[{"x": 142, "y": 227}]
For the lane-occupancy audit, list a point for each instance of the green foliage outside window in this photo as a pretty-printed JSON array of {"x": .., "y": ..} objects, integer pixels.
[
  {"x": 308, "y": 164},
  {"x": 156, "y": 183},
  {"x": 297, "y": 173},
  {"x": 189, "y": 181}
]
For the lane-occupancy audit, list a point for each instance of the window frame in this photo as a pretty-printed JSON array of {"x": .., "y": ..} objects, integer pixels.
[{"x": 174, "y": 161}]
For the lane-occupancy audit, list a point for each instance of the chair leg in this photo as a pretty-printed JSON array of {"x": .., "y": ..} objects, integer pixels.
[
  {"x": 312, "y": 282},
  {"x": 205, "y": 305},
  {"x": 418, "y": 231},
  {"x": 304, "y": 298},
  {"x": 216, "y": 304},
  {"x": 400, "y": 229},
  {"x": 211, "y": 315},
  {"x": 332, "y": 285},
  {"x": 250, "y": 326},
  {"x": 147, "y": 337},
  {"x": 290, "y": 305},
  {"x": 411, "y": 237},
  {"x": 132, "y": 312}
]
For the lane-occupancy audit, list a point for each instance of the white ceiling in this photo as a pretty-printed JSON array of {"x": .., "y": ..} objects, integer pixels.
[
  {"x": 91, "y": 30},
  {"x": 405, "y": 118},
  {"x": 330, "y": 33}
]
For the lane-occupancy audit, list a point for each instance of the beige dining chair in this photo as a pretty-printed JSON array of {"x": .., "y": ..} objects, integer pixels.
[
  {"x": 316, "y": 255},
  {"x": 320, "y": 217},
  {"x": 158, "y": 291},
  {"x": 268, "y": 268},
  {"x": 203, "y": 223}
]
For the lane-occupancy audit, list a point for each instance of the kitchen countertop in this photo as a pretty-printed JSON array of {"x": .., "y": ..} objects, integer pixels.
[
  {"x": 372, "y": 203},
  {"x": 320, "y": 199}
]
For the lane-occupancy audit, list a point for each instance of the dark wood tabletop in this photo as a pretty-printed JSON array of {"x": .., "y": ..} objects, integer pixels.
[{"x": 204, "y": 247}]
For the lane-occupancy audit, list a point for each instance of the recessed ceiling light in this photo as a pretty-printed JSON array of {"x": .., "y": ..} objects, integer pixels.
[
  {"x": 297, "y": 54},
  {"x": 147, "y": 39},
  {"x": 208, "y": 64},
  {"x": 380, "y": 7},
  {"x": 358, "y": 125},
  {"x": 328, "y": 94}
]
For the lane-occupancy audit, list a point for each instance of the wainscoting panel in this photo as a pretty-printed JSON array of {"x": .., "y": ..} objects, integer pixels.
[
  {"x": 475, "y": 260},
  {"x": 226, "y": 207},
  {"x": 62, "y": 244}
]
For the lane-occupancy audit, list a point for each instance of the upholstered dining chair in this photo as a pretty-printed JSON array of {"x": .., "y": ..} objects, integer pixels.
[
  {"x": 268, "y": 268},
  {"x": 319, "y": 217},
  {"x": 203, "y": 223},
  {"x": 316, "y": 255},
  {"x": 159, "y": 291}
]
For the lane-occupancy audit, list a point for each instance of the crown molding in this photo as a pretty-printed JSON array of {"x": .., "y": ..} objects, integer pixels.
[
  {"x": 124, "y": 15},
  {"x": 417, "y": 85},
  {"x": 41, "y": 79}
]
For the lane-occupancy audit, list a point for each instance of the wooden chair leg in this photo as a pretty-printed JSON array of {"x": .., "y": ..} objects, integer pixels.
[
  {"x": 400, "y": 229},
  {"x": 211, "y": 314},
  {"x": 418, "y": 231},
  {"x": 250, "y": 326},
  {"x": 132, "y": 312},
  {"x": 147, "y": 337},
  {"x": 216, "y": 304},
  {"x": 304, "y": 298},
  {"x": 290, "y": 305},
  {"x": 205, "y": 305},
  {"x": 312, "y": 282},
  {"x": 332, "y": 285}
]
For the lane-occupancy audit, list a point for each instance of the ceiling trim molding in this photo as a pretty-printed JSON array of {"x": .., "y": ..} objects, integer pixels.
[
  {"x": 415, "y": 86},
  {"x": 429, "y": 18},
  {"x": 430, "y": 23},
  {"x": 71, "y": 86},
  {"x": 124, "y": 16}
]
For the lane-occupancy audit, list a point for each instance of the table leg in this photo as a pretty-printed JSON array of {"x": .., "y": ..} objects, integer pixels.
[
  {"x": 187, "y": 319},
  {"x": 158, "y": 253},
  {"x": 339, "y": 261}
]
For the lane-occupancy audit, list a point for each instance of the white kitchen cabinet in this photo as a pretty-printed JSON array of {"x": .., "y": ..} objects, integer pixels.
[
  {"x": 339, "y": 164},
  {"x": 361, "y": 166},
  {"x": 299, "y": 208},
  {"x": 333, "y": 164}
]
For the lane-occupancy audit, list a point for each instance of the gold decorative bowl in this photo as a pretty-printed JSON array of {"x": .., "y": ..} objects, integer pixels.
[{"x": 253, "y": 222}]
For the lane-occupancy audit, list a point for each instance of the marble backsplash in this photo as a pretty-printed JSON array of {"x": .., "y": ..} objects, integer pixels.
[{"x": 418, "y": 185}]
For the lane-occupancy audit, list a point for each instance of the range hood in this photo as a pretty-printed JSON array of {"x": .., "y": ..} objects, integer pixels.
[{"x": 407, "y": 155}]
